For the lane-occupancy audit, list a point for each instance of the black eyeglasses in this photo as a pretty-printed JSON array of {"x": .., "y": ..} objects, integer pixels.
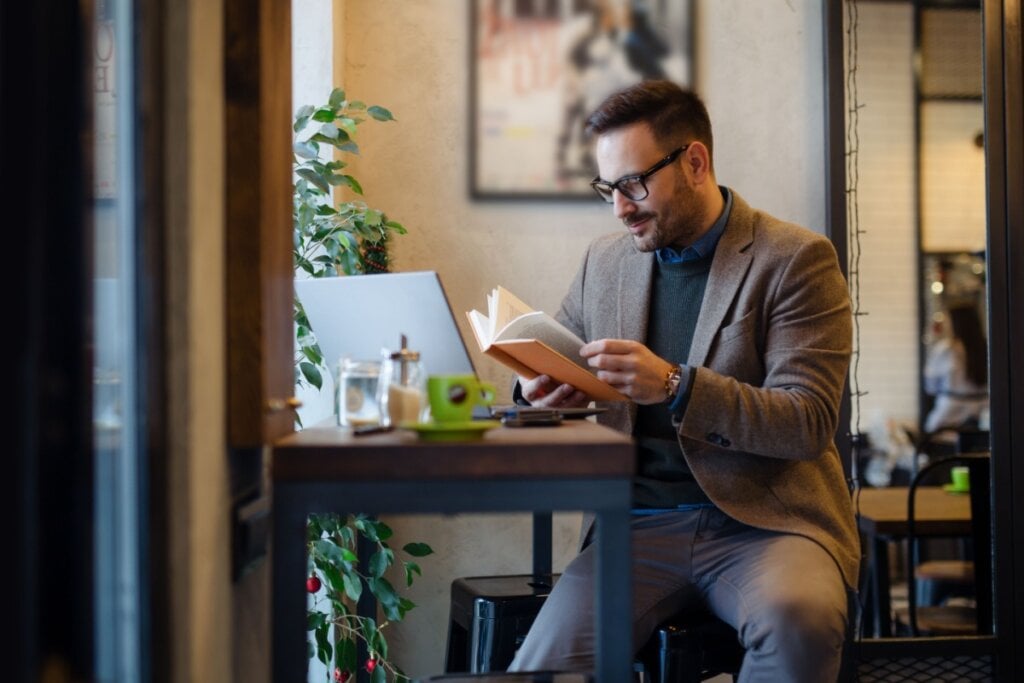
[{"x": 633, "y": 187}]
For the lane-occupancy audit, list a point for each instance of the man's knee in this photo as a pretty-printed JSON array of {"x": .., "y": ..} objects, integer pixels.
[{"x": 803, "y": 619}]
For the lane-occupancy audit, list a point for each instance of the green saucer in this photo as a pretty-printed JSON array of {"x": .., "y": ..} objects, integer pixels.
[
  {"x": 451, "y": 431},
  {"x": 949, "y": 488}
]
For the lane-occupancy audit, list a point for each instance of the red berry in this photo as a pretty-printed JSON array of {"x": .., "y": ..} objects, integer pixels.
[
  {"x": 371, "y": 664},
  {"x": 341, "y": 676},
  {"x": 312, "y": 584}
]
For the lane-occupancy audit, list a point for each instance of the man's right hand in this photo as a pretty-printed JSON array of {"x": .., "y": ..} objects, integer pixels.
[{"x": 543, "y": 392}]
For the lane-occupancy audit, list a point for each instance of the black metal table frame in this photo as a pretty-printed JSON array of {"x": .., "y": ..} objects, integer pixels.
[{"x": 608, "y": 498}]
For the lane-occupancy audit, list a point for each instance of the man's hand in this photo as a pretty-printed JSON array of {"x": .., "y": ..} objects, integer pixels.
[
  {"x": 542, "y": 391},
  {"x": 630, "y": 367}
]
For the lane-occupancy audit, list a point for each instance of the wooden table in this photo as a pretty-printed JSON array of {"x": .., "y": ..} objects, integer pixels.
[
  {"x": 883, "y": 518},
  {"x": 576, "y": 466}
]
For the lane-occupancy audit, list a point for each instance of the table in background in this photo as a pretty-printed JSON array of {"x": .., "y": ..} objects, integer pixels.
[
  {"x": 883, "y": 518},
  {"x": 576, "y": 466}
]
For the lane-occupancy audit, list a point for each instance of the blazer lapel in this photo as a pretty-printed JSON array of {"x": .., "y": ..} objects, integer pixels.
[
  {"x": 728, "y": 269},
  {"x": 634, "y": 295}
]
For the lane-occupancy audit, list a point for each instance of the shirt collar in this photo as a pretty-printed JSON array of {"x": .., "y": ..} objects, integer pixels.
[{"x": 705, "y": 246}]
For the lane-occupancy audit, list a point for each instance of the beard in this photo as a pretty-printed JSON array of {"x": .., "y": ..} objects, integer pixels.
[{"x": 677, "y": 224}]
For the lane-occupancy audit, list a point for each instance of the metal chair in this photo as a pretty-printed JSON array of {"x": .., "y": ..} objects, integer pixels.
[
  {"x": 951, "y": 620},
  {"x": 940, "y": 579}
]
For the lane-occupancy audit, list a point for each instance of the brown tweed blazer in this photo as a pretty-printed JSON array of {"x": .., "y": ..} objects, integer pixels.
[{"x": 771, "y": 350}]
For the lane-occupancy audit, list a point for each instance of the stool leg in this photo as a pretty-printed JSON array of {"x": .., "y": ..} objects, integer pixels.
[
  {"x": 678, "y": 658},
  {"x": 456, "y": 655}
]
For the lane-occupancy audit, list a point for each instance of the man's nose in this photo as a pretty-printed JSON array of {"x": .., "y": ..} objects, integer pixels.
[{"x": 622, "y": 204}]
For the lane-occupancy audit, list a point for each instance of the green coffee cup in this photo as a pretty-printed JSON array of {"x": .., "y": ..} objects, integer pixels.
[
  {"x": 961, "y": 478},
  {"x": 453, "y": 397}
]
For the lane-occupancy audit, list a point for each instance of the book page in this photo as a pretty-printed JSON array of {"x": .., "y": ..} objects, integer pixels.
[
  {"x": 504, "y": 307},
  {"x": 481, "y": 328},
  {"x": 541, "y": 326}
]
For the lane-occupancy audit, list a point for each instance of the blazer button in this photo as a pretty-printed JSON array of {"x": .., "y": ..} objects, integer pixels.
[{"x": 719, "y": 440}]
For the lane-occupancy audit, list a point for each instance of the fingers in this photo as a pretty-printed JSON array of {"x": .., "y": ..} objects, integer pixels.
[
  {"x": 630, "y": 367},
  {"x": 610, "y": 346},
  {"x": 542, "y": 391}
]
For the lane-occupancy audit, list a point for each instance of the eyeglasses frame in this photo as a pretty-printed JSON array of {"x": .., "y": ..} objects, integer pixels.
[{"x": 640, "y": 177}]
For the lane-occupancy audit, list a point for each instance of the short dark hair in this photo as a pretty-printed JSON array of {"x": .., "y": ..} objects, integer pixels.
[{"x": 675, "y": 116}]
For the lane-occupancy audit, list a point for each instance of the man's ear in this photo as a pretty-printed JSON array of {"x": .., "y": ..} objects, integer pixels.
[{"x": 698, "y": 159}]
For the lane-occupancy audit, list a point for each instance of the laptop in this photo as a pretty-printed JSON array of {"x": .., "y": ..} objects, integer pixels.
[{"x": 359, "y": 315}]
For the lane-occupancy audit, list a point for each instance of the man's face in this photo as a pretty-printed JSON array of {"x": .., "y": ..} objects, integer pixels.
[{"x": 672, "y": 213}]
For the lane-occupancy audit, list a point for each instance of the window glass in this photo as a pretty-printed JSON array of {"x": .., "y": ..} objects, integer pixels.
[{"x": 116, "y": 498}]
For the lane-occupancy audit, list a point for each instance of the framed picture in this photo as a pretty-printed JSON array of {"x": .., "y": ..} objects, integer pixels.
[{"x": 539, "y": 67}]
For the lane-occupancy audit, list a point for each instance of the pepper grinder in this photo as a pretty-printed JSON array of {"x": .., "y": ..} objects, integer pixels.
[{"x": 403, "y": 386}]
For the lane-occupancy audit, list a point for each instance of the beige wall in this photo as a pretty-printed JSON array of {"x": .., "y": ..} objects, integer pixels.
[{"x": 759, "y": 68}]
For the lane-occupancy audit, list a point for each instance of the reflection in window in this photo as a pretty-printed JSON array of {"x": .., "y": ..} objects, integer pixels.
[{"x": 116, "y": 498}]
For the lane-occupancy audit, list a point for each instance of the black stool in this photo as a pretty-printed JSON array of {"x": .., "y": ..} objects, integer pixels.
[
  {"x": 691, "y": 647},
  {"x": 489, "y": 617}
]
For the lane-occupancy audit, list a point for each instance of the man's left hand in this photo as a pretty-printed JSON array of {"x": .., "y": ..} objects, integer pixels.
[{"x": 630, "y": 367}]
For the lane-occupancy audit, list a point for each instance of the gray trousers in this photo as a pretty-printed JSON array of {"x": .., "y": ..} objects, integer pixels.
[{"x": 782, "y": 593}]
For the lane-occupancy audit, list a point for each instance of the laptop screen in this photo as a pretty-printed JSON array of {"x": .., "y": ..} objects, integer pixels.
[{"x": 359, "y": 315}]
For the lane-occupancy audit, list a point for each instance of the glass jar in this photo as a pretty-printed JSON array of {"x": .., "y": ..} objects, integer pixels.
[
  {"x": 403, "y": 387},
  {"x": 356, "y": 393}
]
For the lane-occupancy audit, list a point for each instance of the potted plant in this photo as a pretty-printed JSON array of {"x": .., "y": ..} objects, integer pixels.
[{"x": 332, "y": 239}]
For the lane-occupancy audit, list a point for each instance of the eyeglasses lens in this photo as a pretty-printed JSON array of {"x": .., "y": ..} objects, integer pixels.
[{"x": 631, "y": 188}]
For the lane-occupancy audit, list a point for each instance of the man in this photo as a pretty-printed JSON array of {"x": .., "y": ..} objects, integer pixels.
[{"x": 730, "y": 330}]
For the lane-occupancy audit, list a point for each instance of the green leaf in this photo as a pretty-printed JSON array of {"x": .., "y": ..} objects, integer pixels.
[
  {"x": 347, "y": 124},
  {"x": 380, "y": 561},
  {"x": 410, "y": 569},
  {"x": 312, "y": 374},
  {"x": 306, "y": 150},
  {"x": 404, "y": 605},
  {"x": 384, "y": 532},
  {"x": 327, "y": 551},
  {"x": 323, "y": 115},
  {"x": 378, "y": 675},
  {"x": 418, "y": 549},
  {"x": 357, "y": 105},
  {"x": 312, "y": 177},
  {"x": 324, "y": 650},
  {"x": 345, "y": 657},
  {"x": 349, "y": 147},
  {"x": 380, "y": 113},
  {"x": 329, "y": 131},
  {"x": 315, "y": 619},
  {"x": 383, "y": 591},
  {"x": 353, "y": 183},
  {"x": 336, "y": 98},
  {"x": 353, "y": 587},
  {"x": 372, "y": 217}
]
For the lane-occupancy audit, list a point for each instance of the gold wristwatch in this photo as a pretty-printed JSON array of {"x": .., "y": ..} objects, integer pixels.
[{"x": 672, "y": 380}]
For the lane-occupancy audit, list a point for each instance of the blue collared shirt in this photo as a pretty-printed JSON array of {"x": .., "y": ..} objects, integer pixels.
[{"x": 705, "y": 246}]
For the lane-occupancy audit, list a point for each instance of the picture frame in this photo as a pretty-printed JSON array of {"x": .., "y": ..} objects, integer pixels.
[{"x": 539, "y": 67}]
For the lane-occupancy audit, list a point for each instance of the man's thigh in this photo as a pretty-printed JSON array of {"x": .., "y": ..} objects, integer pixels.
[{"x": 754, "y": 579}]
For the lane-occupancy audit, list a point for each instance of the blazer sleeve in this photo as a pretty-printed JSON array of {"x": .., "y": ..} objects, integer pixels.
[{"x": 772, "y": 384}]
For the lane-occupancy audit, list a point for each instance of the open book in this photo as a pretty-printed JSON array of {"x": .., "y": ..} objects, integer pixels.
[{"x": 533, "y": 343}]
